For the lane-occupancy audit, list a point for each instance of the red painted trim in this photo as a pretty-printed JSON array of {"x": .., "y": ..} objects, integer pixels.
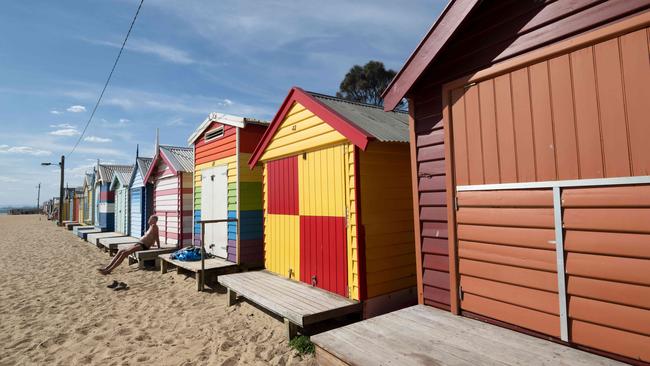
[
  {"x": 347, "y": 128},
  {"x": 438, "y": 35},
  {"x": 154, "y": 163},
  {"x": 361, "y": 232}
]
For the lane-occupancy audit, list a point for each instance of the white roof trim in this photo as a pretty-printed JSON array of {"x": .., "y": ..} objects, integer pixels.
[{"x": 226, "y": 119}]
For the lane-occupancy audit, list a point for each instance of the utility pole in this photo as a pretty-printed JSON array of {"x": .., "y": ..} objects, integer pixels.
[{"x": 62, "y": 164}]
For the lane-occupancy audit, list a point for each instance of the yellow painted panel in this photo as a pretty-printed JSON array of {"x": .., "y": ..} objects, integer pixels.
[
  {"x": 247, "y": 174},
  {"x": 282, "y": 245},
  {"x": 352, "y": 242},
  {"x": 301, "y": 131},
  {"x": 321, "y": 182},
  {"x": 387, "y": 210}
]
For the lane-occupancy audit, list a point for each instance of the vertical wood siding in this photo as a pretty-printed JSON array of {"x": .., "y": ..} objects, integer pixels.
[
  {"x": 300, "y": 131},
  {"x": 506, "y": 257},
  {"x": 607, "y": 242},
  {"x": 137, "y": 216},
  {"x": 579, "y": 115},
  {"x": 386, "y": 208},
  {"x": 322, "y": 253},
  {"x": 282, "y": 190},
  {"x": 480, "y": 42},
  {"x": 121, "y": 209},
  {"x": 282, "y": 245}
]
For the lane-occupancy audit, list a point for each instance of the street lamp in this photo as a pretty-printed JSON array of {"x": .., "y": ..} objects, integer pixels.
[{"x": 62, "y": 166}]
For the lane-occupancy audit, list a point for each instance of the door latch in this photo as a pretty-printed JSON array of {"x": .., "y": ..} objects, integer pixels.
[{"x": 313, "y": 280}]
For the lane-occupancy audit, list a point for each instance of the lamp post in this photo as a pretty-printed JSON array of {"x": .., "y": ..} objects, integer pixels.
[{"x": 62, "y": 166}]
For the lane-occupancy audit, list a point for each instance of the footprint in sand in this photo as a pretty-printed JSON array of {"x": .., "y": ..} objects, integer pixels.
[{"x": 225, "y": 346}]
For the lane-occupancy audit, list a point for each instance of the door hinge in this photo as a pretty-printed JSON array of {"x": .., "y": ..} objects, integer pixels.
[
  {"x": 460, "y": 292},
  {"x": 455, "y": 203}
]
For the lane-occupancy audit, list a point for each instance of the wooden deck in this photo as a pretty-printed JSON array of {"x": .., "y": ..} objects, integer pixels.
[
  {"x": 111, "y": 244},
  {"x": 71, "y": 225},
  {"x": 94, "y": 238},
  {"x": 83, "y": 234},
  {"x": 77, "y": 229},
  {"x": 213, "y": 267},
  {"x": 150, "y": 255},
  {"x": 296, "y": 302},
  {"x": 421, "y": 335}
]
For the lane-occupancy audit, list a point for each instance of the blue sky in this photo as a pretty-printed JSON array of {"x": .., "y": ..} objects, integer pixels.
[{"x": 184, "y": 60}]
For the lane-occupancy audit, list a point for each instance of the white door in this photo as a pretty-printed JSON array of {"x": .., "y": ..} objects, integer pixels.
[{"x": 214, "y": 206}]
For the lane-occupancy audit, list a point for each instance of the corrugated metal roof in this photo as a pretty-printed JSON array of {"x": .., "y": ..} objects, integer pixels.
[
  {"x": 143, "y": 165},
  {"x": 124, "y": 175},
  {"x": 181, "y": 158},
  {"x": 106, "y": 171},
  {"x": 384, "y": 126}
]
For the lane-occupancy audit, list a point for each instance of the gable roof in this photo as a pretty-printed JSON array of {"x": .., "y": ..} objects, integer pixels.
[
  {"x": 226, "y": 119},
  {"x": 358, "y": 122},
  {"x": 123, "y": 176},
  {"x": 141, "y": 165},
  {"x": 89, "y": 180},
  {"x": 439, "y": 33},
  {"x": 178, "y": 158},
  {"x": 106, "y": 171}
]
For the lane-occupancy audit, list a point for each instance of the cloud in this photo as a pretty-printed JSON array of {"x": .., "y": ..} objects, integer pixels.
[
  {"x": 66, "y": 132},
  {"x": 54, "y": 111},
  {"x": 97, "y": 139},
  {"x": 76, "y": 109},
  {"x": 6, "y": 149},
  {"x": 5, "y": 179},
  {"x": 146, "y": 46},
  {"x": 63, "y": 125},
  {"x": 176, "y": 122},
  {"x": 124, "y": 120}
]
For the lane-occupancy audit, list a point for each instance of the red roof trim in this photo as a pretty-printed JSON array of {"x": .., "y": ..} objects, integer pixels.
[
  {"x": 356, "y": 135},
  {"x": 156, "y": 158},
  {"x": 438, "y": 35}
]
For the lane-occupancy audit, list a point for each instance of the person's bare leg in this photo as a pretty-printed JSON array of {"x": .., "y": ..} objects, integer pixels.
[
  {"x": 121, "y": 255},
  {"x": 121, "y": 258}
]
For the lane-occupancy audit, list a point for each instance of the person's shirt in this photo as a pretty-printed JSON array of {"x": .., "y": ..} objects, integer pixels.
[{"x": 150, "y": 237}]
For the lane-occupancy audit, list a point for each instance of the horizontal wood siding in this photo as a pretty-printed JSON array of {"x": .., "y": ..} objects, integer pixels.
[
  {"x": 219, "y": 148},
  {"x": 174, "y": 221},
  {"x": 502, "y": 30},
  {"x": 300, "y": 131},
  {"x": 106, "y": 207},
  {"x": 251, "y": 216},
  {"x": 578, "y": 115},
  {"x": 506, "y": 259},
  {"x": 607, "y": 242},
  {"x": 386, "y": 208}
]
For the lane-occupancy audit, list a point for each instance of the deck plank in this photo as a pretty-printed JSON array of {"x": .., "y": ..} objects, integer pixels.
[
  {"x": 300, "y": 303},
  {"x": 210, "y": 263},
  {"x": 94, "y": 237},
  {"x": 421, "y": 335}
]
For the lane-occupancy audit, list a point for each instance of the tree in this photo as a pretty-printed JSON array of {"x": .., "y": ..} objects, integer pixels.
[{"x": 365, "y": 83}]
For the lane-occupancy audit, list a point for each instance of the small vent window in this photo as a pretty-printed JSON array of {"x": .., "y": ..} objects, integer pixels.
[{"x": 214, "y": 134}]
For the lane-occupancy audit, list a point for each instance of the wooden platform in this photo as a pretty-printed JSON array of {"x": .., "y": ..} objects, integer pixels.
[
  {"x": 94, "y": 237},
  {"x": 77, "y": 229},
  {"x": 298, "y": 303},
  {"x": 151, "y": 254},
  {"x": 422, "y": 335},
  {"x": 83, "y": 234},
  {"x": 213, "y": 267},
  {"x": 71, "y": 225},
  {"x": 111, "y": 244}
]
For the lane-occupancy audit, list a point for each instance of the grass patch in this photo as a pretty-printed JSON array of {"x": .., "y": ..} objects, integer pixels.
[{"x": 302, "y": 345}]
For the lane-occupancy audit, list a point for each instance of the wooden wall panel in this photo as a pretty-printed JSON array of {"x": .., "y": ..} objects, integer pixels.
[
  {"x": 282, "y": 186},
  {"x": 607, "y": 242},
  {"x": 323, "y": 261},
  {"x": 507, "y": 262},
  {"x": 564, "y": 116}
]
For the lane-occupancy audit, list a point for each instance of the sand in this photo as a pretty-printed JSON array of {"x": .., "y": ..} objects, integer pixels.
[{"x": 55, "y": 309}]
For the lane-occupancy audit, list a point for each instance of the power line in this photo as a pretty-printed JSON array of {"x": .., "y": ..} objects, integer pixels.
[{"x": 101, "y": 95}]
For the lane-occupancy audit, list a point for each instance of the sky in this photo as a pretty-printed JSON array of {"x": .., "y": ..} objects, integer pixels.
[{"x": 183, "y": 60}]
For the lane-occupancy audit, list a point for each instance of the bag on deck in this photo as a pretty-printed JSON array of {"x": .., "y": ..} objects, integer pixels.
[{"x": 187, "y": 255}]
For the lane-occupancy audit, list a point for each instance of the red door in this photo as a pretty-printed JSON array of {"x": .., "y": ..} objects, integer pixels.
[{"x": 322, "y": 253}]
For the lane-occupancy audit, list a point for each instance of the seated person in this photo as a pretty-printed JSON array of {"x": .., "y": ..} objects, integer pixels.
[{"x": 146, "y": 242}]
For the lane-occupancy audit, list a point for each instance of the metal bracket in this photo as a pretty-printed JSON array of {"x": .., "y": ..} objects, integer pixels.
[{"x": 561, "y": 273}]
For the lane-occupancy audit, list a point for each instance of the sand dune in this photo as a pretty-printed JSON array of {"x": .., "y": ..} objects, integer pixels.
[{"x": 56, "y": 310}]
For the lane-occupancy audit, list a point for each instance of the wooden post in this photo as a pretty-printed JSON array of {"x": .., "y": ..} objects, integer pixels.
[
  {"x": 290, "y": 329},
  {"x": 231, "y": 298},
  {"x": 202, "y": 274}
]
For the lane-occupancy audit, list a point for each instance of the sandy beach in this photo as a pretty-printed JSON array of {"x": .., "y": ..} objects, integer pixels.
[{"x": 55, "y": 309}]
